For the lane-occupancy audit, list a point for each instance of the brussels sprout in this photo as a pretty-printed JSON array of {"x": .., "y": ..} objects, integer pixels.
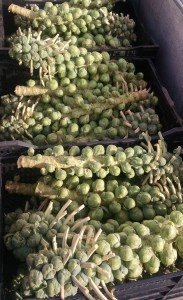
[
  {"x": 115, "y": 263},
  {"x": 121, "y": 273},
  {"x": 133, "y": 241},
  {"x": 136, "y": 214},
  {"x": 17, "y": 240},
  {"x": 153, "y": 225},
  {"x": 129, "y": 203},
  {"x": 63, "y": 276},
  {"x": 108, "y": 228},
  {"x": 143, "y": 198},
  {"x": 168, "y": 231},
  {"x": 157, "y": 243},
  {"x": 93, "y": 201},
  {"x": 148, "y": 212},
  {"x": 114, "y": 223},
  {"x": 113, "y": 239},
  {"x": 136, "y": 272},
  {"x": 96, "y": 259},
  {"x": 98, "y": 185},
  {"x": 121, "y": 192},
  {"x": 57, "y": 263},
  {"x": 96, "y": 214},
  {"x": 103, "y": 247},
  {"x": 115, "y": 207},
  {"x": 145, "y": 254},
  {"x": 128, "y": 229},
  {"x": 105, "y": 277},
  {"x": 126, "y": 253},
  {"x": 35, "y": 279},
  {"x": 38, "y": 259},
  {"x": 153, "y": 265},
  {"x": 82, "y": 278},
  {"x": 177, "y": 218},
  {"x": 48, "y": 271},
  {"x": 73, "y": 266},
  {"x": 53, "y": 287},
  {"x": 132, "y": 264},
  {"x": 168, "y": 256},
  {"x": 142, "y": 230},
  {"x": 179, "y": 245}
]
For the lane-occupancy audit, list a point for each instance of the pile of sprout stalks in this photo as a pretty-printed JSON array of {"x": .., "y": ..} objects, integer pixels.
[
  {"x": 136, "y": 183},
  {"x": 85, "y": 24},
  {"x": 64, "y": 255}
]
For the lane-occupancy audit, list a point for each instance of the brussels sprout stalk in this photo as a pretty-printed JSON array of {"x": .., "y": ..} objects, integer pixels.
[{"x": 22, "y": 11}]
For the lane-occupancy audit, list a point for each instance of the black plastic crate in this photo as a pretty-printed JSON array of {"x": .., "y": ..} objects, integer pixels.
[
  {"x": 144, "y": 46},
  {"x": 11, "y": 74},
  {"x": 156, "y": 287}
]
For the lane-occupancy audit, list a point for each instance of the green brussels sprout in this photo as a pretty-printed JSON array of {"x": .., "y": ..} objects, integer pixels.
[
  {"x": 107, "y": 228},
  {"x": 122, "y": 217},
  {"x": 17, "y": 240},
  {"x": 113, "y": 239},
  {"x": 121, "y": 273},
  {"x": 115, "y": 263},
  {"x": 33, "y": 218},
  {"x": 57, "y": 263},
  {"x": 143, "y": 198},
  {"x": 121, "y": 192},
  {"x": 115, "y": 207},
  {"x": 148, "y": 212},
  {"x": 96, "y": 224},
  {"x": 168, "y": 256},
  {"x": 98, "y": 185},
  {"x": 136, "y": 214},
  {"x": 129, "y": 203},
  {"x": 105, "y": 277},
  {"x": 168, "y": 231},
  {"x": 96, "y": 214},
  {"x": 34, "y": 240},
  {"x": 98, "y": 150},
  {"x": 96, "y": 259},
  {"x": 179, "y": 245},
  {"x": 142, "y": 230},
  {"x": 160, "y": 208},
  {"x": 125, "y": 253},
  {"x": 180, "y": 207},
  {"x": 82, "y": 278},
  {"x": 153, "y": 265},
  {"x": 63, "y": 276},
  {"x": 74, "y": 267},
  {"x": 133, "y": 241},
  {"x": 145, "y": 254},
  {"x": 114, "y": 223},
  {"x": 83, "y": 189},
  {"x": 136, "y": 272},
  {"x": 90, "y": 272},
  {"x": 26, "y": 231},
  {"x": 107, "y": 198},
  {"x": 93, "y": 201},
  {"x": 103, "y": 247},
  {"x": 53, "y": 287},
  {"x": 128, "y": 229},
  {"x": 157, "y": 243},
  {"x": 48, "y": 271},
  {"x": 35, "y": 279},
  {"x": 38, "y": 259},
  {"x": 177, "y": 218},
  {"x": 22, "y": 252},
  {"x": 153, "y": 225}
]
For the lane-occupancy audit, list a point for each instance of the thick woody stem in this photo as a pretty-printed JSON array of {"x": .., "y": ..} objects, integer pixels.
[
  {"x": 22, "y": 11},
  {"x": 30, "y": 91}
]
